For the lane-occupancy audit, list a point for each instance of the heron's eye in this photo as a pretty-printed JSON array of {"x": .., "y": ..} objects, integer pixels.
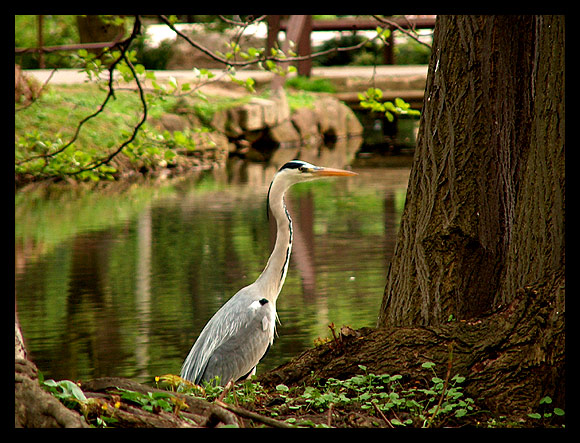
[{"x": 303, "y": 169}]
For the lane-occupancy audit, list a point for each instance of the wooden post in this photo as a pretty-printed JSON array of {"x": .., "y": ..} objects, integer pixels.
[
  {"x": 273, "y": 30},
  {"x": 294, "y": 32},
  {"x": 304, "y": 47}
]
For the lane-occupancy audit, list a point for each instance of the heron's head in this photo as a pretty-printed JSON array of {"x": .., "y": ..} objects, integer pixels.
[{"x": 297, "y": 171}]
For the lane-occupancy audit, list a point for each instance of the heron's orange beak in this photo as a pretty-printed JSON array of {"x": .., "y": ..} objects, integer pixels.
[{"x": 328, "y": 172}]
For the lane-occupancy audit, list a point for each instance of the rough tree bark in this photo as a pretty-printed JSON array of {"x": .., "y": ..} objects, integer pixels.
[
  {"x": 485, "y": 202},
  {"x": 481, "y": 240}
]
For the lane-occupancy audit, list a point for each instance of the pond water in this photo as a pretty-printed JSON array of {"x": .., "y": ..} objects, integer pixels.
[{"x": 120, "y": 283}]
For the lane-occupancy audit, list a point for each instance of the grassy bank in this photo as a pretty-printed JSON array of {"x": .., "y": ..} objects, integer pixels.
[
  {"x": 50, "y": 124},
  {"x": 44, "y": 130}
]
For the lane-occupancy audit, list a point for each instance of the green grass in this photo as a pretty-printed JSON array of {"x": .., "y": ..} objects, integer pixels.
[
  {"x": 49, "y": 124},
  {"x": 58, "y": 110},
  {"x": 310, "y": 84}
]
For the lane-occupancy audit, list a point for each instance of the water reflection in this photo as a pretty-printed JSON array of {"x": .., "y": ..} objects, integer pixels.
[{"x": 127, "y": 296}]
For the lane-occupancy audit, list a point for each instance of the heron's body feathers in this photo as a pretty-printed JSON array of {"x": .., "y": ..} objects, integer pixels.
[{"x": 227, "y": 346}]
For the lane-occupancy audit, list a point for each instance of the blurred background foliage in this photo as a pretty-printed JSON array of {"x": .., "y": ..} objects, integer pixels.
[{"x": 63, "y": 30}]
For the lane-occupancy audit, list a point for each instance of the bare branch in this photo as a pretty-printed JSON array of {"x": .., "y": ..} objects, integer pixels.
[
  {"x": 235, "y": 63},
  {"x": 411, "y": 34},
  {"x": 80, "y": 124},
  {"x": 123, "y": 45},
  {"x": 135, "y": 129},
  {"x": 245, "y": 24},
  {"x": 136, "y": 30},
  {"x": 196, "y": 45},
  {"x": 38, "y": 93}
]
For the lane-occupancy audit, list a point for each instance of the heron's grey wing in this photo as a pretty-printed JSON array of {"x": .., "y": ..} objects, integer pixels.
[
  {"x": 241, "y": 352},
  {"x": 217, "y": 330},
  {"x": 234, "y": 319}
]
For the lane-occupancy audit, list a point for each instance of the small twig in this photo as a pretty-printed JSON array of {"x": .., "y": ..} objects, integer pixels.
[
  {"x": 383, "y": 416},
  {"x": 411, "y": 34},
  {"x": 39, "y": 91},
  {"x": 253, "y": 416},
  {"x": 227, "y": 387},
  {"x": 396, "y": 416},
  {"x": 445, "y": 384},
  {"x": 244, "y": 24},
  {"x": 329, "y": 416},
  {"x": 331, "y": 327}
]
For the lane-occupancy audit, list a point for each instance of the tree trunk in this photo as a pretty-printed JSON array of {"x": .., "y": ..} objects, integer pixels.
[
  {"x": 479, "y": 263},
  {"x": 95, "y": 29},
  {"x": 485, "y": 204},
  {"x": 484, "y": 217}
]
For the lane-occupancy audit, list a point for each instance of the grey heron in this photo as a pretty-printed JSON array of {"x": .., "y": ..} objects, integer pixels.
[{"x": 240, "y": 333}]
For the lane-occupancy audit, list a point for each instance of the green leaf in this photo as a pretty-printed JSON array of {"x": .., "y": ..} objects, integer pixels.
[
  {"x": 535, "y": 415},
  {"x": 207, "y": 73},
  {"x": 270, "y": 65},
  {"x": 400, "y": 103},
  {"x": 282, "y": 388},
  {"x": 249, "y": 84},
  {"x": 428, "y": 365},
  {"x": 390, "y": 107},
  {"x": 71, "y": 389},
  {"x": 546, "y": 400},
  {"x": 374, "y": 93},
  {"x": 157, "y": 395},
  {"x": 559, "y": 411}
]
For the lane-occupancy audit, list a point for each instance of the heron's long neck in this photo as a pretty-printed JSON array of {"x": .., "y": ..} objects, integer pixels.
[{"x": 272, "y": 278}]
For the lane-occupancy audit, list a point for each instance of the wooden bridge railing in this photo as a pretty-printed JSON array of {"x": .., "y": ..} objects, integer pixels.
[{"x": 299, "y": 27}]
